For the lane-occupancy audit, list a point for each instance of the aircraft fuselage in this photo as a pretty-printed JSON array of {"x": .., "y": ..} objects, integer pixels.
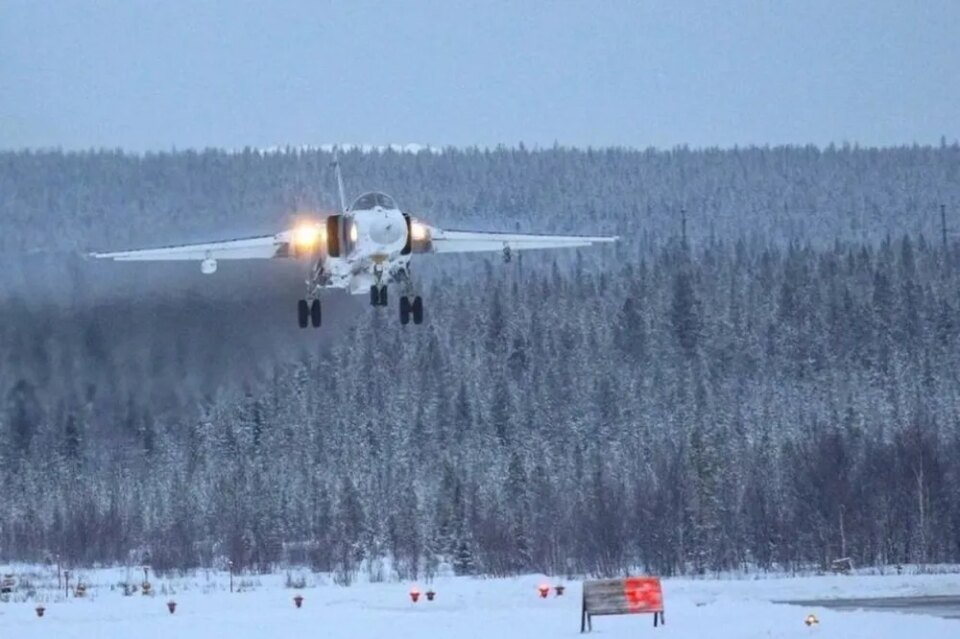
[{"x": 375, "y": 242}]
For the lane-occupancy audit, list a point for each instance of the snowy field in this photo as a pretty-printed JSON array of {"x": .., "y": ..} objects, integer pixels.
[{"x": 464, "y": 607}]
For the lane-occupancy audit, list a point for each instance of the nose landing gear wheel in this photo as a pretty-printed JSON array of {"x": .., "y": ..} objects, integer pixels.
[
  {"x": 303, "y": 313},
  {"x": 315, "y": 315},
  {"x": 411, "y": 306},
  {"x": 378, "y": 295}
]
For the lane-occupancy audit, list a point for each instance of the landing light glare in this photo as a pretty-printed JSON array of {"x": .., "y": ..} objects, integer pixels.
[
  {"x": 418, "y": 232},
  {"x": 307, "y": 236}
]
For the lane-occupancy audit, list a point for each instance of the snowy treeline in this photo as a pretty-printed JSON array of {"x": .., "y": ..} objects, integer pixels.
[{"x": 779, "y": 389}]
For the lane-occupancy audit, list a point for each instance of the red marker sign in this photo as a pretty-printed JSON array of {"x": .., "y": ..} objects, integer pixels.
[{"x": 643, "y": 594}]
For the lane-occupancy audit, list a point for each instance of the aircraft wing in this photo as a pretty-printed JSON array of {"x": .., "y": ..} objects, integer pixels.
[
  {"x": 444, "y": 241},
  {"x": 251, "y": 248}
]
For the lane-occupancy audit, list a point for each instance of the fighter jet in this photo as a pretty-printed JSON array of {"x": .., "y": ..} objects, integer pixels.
[{"x": 363, "y": 249}]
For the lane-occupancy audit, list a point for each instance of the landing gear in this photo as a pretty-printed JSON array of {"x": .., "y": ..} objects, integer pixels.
[
  {"x": 308, "y": 309},
  {"x": 309, "y": 313},
  {"x": 378, "y": 295},
  {"x": 303, "y": 313},
  {"x": 417, "y": 310},
  {"x": 410, "y": 303},
  {"x": 378, "y": 290},
  {"x": 411, "y": 306}
]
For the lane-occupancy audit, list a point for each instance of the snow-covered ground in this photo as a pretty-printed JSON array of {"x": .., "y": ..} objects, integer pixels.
[{"x": 464, "y": 607}]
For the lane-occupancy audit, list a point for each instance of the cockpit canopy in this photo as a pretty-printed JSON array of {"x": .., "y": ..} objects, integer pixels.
[{"x": 369, "y": 201}]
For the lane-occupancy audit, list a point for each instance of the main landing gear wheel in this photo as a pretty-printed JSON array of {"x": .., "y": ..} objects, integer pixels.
[
  {"x": 315, "y": 314},
  {"x": 411, "y": 306},
  {"x": 303, "y": 313},
  {"x": 417, "y": 310}
]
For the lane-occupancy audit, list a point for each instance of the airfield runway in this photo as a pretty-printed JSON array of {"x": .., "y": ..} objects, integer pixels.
[{"x": 945, "y": 606}]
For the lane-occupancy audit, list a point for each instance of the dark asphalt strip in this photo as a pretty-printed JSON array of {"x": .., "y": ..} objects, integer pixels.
[{"x": 946, "y": 606}]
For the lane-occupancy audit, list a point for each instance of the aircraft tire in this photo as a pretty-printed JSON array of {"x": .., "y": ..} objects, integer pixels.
[
  {"x": 316, "y": 316},
  {"x": 383, "y": 295},
  {"x": 374, "y": 296},
  {"x": 417, "y": 309},
  {"x": 303, "y": 313},
  {"x": 404, "y": 310}
]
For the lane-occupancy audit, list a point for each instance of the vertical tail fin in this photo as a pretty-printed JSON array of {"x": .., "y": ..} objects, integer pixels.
[{"x": 336, "y": 166}]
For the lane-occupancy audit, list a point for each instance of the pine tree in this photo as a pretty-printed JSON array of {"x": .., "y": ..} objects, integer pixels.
[
  {"x": 685, "y": 313},
  {"x": 464, "y": 562},
  {"x": 23, "y": 414}
]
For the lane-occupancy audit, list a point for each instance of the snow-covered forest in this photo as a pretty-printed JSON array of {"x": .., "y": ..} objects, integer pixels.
[{"x": 775, "y": 386}]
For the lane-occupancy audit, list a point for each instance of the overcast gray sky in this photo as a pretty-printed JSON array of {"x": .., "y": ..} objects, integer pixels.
[{"x": 157, "y": 75}]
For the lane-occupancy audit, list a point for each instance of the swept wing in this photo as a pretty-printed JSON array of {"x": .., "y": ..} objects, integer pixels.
[{"x": 452, "y": 241}]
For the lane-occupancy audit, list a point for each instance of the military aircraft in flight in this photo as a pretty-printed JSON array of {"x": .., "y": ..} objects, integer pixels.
[{"x": 366, "y": 247}]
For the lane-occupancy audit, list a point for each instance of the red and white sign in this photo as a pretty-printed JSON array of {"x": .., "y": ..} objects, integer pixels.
[{"x": 643, "y": 594}]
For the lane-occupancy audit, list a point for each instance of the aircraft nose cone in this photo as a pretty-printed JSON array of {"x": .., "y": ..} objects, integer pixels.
[{"x": 387, "y": 232}]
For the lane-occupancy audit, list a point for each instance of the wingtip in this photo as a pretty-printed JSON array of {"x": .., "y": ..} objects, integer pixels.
[{"x": 94, "y": 255}]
